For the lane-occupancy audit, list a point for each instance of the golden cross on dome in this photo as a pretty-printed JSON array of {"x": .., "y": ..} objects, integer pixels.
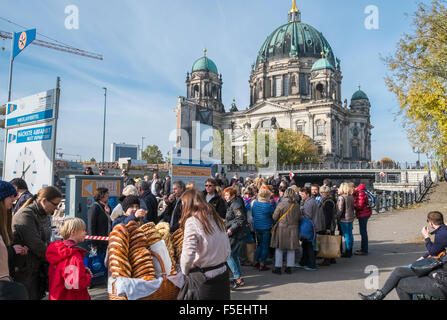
[
  {"x": 294, "y": 8},
  {"x": 204, "y": 51},
  {"x": 323, "y": 54},
  {"x": 359, "y": 86}
]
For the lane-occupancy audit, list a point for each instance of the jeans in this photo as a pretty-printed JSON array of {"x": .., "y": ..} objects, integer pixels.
[
  {"x": 308, "y": 256},
  {"x": 415, "y": 285},
  {"x": 364, "y": 234},
  {"x": 395, "y": 277},
  {"x": 234, "y": 262},
  {"x": 279, "y": 257},
  {"x": 263, "y": 239},
  {"x": 346, "y": 228}
]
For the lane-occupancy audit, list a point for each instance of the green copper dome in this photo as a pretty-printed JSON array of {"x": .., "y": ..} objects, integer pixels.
[
  {"x": 359, "y": 95},
  {"x": 323, "y": 63},
  {"x": 204, "y": 64},
  {"x": 295, "y": 39}
]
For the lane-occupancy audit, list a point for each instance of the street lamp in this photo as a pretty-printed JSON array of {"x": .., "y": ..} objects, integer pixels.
[
  {"x": 142, "y": 148},
  {"x": 104, "y": 128},
  {"x": 418, "y": 151}
]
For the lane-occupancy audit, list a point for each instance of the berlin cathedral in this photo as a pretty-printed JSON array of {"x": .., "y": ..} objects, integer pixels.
[{"x": 295, "y": 84}]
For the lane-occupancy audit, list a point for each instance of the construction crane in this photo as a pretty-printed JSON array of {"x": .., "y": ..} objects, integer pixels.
[{"x": 56, "y": 46}]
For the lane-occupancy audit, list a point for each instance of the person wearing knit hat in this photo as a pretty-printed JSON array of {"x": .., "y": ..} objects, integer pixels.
[
  {"x": 132, "y": 211},
  {"x": 7, "y": 190}
]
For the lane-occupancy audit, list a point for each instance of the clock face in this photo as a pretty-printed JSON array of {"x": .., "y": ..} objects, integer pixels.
[{"x": 26, "y": 167}]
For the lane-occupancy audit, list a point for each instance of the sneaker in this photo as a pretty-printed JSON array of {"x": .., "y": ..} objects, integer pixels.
[
  {"x": 299, "y": 266},
  {"x": 310, "y": 269}
]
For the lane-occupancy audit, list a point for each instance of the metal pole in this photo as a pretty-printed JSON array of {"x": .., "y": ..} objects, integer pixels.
[
  {"x": 104, "y": 128},
  {"x": 10, "y": 68}
]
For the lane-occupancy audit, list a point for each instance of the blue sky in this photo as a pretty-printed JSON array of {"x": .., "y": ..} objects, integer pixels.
[{"x": 148, "y": 46}]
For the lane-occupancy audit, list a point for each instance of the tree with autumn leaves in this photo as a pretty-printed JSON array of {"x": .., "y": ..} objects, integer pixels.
[{"x": 419, "y": 79}]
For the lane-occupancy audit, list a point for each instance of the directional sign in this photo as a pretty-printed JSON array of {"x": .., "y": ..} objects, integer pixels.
[
  {"x": 22, "y": 40},
  {"x": 89, "y": 187},
  {"x": 38, "y": 107}
]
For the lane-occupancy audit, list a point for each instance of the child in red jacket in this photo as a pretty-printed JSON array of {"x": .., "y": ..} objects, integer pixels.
[{"x": 68, "y": 277}]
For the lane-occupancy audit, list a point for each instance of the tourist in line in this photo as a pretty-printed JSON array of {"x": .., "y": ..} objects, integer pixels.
[
  {"x": 173, "y": 211},
  {"x": 315, "y": 190},
  {"x": 206, "y": 248},
  {"x": 363, "y": 213},
  {"x": 236, "y": 226},
  {"x": 262, "y": 211},
  {"x": 329, "y": 210},
  {"x": 345, "y": 209},
  {"x": 285, "y": 236},
  {"x": 405, "y": 281},
  {"x": 148, "y": 201},
  {"x": 32, "y": 228},
  {"x": 309, "y": 210},
  {"x": 132, "y": 211}
]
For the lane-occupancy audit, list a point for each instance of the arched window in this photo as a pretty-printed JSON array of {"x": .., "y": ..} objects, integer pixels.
[
  {"x": 196, "y": 92},
  {"x": 214, "y": 92},
  {"x": 319, "y": 93},
  {"x": 266, "y": 123},
  {"x": 321, "y": 128}
]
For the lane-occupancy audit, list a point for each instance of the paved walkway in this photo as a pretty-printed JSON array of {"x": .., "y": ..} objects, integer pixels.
[{"x": 394, "y": 240}]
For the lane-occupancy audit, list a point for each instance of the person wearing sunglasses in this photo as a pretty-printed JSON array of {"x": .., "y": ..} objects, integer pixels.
[
  {"x": 31, "y": 227},
  {"x": 212, "y": 197}
]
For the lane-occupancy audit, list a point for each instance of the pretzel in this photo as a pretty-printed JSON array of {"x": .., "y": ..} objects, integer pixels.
[
  {"x": 147, "y": 226},
  {"x": 147, "y": 278},
  {"x": 121, "y": 260},
  {"x": 122, "y": 272},
  {"x": 119, "y": 246},
  {"x": 131, "y": 226}
]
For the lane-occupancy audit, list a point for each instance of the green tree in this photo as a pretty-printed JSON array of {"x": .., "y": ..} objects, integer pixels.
[
  {"x": 153, "y": 155},
  {"x": 419, "y": 79}
]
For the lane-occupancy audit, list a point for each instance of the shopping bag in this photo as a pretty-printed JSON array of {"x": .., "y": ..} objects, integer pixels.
[
  {"x": 306, "y": 230},
  {"x": 329, "y": 246},
  {"x": 95, "y": 262}
]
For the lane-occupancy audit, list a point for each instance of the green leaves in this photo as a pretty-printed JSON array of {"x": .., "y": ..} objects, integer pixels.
[{"x": 153, "y": 155}]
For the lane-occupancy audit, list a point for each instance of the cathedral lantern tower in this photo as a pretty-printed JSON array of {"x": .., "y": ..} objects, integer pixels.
[{"x": 204, "y": 85}]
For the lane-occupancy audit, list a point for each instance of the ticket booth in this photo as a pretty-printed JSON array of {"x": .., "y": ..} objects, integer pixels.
[{"x": 80, "y": 190}]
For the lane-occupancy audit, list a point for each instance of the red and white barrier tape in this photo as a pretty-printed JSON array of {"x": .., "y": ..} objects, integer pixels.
[{"x": 96, "y": 238}]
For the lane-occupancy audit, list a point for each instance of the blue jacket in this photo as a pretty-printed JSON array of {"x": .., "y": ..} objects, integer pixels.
[
  {"x": 262, "y": 215},
  {"x": 126, "y": 219},
  {"x": 435, "y": 248}
]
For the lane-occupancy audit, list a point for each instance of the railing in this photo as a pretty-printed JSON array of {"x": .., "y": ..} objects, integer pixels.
[
  {"x": 345, "y": 165},
  {"x": 389, "y": 200}
]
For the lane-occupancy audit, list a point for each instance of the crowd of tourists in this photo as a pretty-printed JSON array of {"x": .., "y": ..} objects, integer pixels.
[{"x": 266, "y": 223}]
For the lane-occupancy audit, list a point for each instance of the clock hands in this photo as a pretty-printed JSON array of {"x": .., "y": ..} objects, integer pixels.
[{"x": 25, "y": 170}]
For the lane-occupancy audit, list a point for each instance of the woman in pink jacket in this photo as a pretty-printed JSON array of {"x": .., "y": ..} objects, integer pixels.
[{"x": 362, "y": 212}]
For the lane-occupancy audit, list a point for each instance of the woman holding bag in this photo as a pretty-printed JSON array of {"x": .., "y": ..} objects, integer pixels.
[{"x": 285, "y": 234}]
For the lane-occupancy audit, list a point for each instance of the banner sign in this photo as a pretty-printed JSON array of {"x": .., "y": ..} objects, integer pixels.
[{"x": 22, "y": 40}]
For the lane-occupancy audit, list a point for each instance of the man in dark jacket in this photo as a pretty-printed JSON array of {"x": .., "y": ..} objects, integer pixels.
[
  {"x": 148, "y": 201},
  {"x": 236, "y": 225},
  {"x": 428, "y": 285},
  {"x": 167, "y": 186},
  {"x": 214, "y": 199},
  {"x": 156, "y": 186},
  {"x": 23, "y": 193},
  {"x": 173, "y": 211}
]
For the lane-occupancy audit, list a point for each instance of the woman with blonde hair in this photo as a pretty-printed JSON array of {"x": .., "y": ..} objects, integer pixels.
[
  {"x": 32, "y": 228},
  {"x": 262, "y": 211},
  {"x": 285, "y": 235},
  {"x": 206, "y": 249},
  {"x": 345, "y": 214}
]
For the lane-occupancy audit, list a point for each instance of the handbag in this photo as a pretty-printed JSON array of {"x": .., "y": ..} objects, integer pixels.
[
  {"x": 307, "y": 229},
  {"x": 423, "y": 267},
  {"x": 328, "y": 246}
]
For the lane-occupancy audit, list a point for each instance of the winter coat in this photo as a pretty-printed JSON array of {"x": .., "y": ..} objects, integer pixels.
[
  {"x": 286, "y": 234},
  {"x": 236, "y": 219},
  {"x": 68, "y": 277},
  {"x": 99, "y": 224},
  {"x": 329, "y": 210},
  {"x": 21, "y": 201},
  {"x": 32, "y": 228},
  {"x": 345, "y": 208},
  {"x": 149, "y": 203},
  {"x": 158, "y": 187},
  {"x": 262, "y": 215},
  {"x": 167, "y": 187},
  {"x": 361, "y": 203},
  {"x": 174, "y": 208},
  {"x": 311, "y": 211},
  {"x": 218, "y": 203}
]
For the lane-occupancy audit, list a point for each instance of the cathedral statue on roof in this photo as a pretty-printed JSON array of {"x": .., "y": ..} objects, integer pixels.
[{"x": 294, "y": 84}]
